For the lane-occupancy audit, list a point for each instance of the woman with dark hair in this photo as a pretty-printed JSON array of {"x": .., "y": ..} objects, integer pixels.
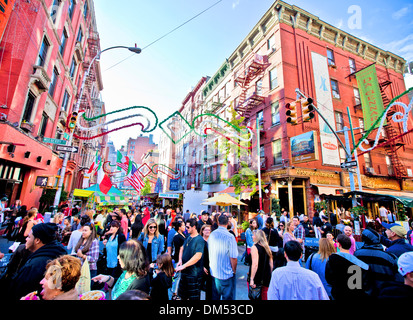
[
  {"x": 137, "y": 225},
  {"x": 112, "y": 244},
  {"x": 248, "y": 234},
  {"x": 135, "y": 266},
  {"x": 88, "y": 247}
]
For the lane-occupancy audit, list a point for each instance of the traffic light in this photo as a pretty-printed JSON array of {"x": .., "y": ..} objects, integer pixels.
[
  {"x": 73, "y": 120},
  {"x": 308, "y": 109},
  {"x": 291, "y": 112}
]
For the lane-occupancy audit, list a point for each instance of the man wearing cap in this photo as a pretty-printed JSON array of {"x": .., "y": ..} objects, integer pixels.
[
  {"x": 395, "y": 241},
  {"x": 397, "y": 290},
  {"x": 205, "y": 219},
  {"x": 42, "y": 242}
]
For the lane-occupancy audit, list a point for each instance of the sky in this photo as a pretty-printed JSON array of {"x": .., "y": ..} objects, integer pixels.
[{"x": 164, "y": 72}]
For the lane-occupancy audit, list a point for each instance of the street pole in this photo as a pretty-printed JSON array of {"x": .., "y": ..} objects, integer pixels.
[
  {"x": 259, "y": 163},
  {"x": 76, "y": 109},
  {"x": 355, "y": 150}
]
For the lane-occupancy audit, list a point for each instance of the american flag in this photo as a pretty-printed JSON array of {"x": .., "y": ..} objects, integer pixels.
[{"x": 134, "y": 179}]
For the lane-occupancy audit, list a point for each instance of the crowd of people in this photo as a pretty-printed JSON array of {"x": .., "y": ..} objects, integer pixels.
[{"x": 135, "y": 253}]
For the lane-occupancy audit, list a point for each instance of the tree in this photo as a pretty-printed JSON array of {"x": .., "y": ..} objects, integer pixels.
[
  {"x": 47, "y": 199},
  {"x": 246, "y": 177},
  {"x": 147, "y": 188}
]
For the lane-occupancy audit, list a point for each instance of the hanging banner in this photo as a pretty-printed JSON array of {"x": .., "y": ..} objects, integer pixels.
[
  {"x": 370, "y": 95},
  {"x": 329, "y": 143}
]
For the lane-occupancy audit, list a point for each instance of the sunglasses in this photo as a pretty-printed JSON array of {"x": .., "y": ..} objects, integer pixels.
[
  {"x": 187, "y": 227},
  {"x": 152, "y": 227}
]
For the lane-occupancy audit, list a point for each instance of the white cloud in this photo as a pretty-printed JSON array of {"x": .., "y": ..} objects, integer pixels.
[
  {"x": 235, "y": 4},
  {"x": 403, "y": 47},
  {"x": 400, "y": 13}
]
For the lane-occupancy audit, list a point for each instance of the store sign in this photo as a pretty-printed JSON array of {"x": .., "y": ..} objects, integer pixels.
[
  {"x": 174, "y": 184},
  {"x": 304, "y": 147},
  {"x": 169, "y": 195},
  {"x": 324, "y": 103}
]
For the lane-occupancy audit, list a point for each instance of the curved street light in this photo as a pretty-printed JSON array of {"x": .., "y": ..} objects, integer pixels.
[{"x": 76, "y": 109}]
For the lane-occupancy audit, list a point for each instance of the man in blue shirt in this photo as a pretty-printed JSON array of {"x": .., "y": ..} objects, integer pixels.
[{"x": 223, "y": 254}]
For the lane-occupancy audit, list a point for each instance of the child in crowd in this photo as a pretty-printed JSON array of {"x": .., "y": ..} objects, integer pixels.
[{"x": 162, "y": 281}]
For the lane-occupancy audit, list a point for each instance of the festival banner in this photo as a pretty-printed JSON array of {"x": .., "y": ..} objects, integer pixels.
[
  {"x": 370, "y": 95},
  {"x": 324, "y": 103}
]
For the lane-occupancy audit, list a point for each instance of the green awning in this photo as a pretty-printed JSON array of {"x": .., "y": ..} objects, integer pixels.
[{"x": 382, "y": 195}]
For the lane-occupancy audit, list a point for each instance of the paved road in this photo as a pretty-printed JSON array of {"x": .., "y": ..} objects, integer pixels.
[{"x": 242, "y": 270}]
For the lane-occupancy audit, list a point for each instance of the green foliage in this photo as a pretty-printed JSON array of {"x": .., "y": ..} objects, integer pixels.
[
  {"x": 275, "y": 206},
  {"x": 322, "y": 205},
  {"x": 357, "y": 211},
  {"x": 245, "y": 225},
  {"x": 47, "y": 199},
  {"x": 401, "y": 211},
  {"x": 146, "y": 189},
  {"x": 245, "y": 176}
]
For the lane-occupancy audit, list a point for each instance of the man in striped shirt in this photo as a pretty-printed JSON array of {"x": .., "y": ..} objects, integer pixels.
[{"x": 223, "y": 254}]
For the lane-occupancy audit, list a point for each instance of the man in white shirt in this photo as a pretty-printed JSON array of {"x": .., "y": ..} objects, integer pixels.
[
  {"x": 294, "y": 282},
  {"x": 223, "y": 254}
]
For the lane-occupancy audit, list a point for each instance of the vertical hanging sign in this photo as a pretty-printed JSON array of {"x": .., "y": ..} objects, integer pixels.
[
  {"x": 370, "y": 95},
  {"x": 328, "y": 141}
]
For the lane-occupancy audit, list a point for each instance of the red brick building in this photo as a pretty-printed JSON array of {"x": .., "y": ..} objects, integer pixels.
[
  {"x": 45, "y": 50},
  {"x": 291, "y": 49}
]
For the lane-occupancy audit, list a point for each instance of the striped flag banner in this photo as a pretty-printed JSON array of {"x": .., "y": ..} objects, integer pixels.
[{"x": 134, "y": 179}]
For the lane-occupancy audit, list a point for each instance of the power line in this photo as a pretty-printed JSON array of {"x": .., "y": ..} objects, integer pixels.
[{"x": 167, "y": 34}]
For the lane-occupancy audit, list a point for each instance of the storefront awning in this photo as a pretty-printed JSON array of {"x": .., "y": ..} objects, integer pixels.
[
  {"x": 329, "y": 190},
  {"x": 406, "y": 198},
  {"x": 82, "y": 193}
]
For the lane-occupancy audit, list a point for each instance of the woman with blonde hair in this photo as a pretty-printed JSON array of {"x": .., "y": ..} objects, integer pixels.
[
  {"x": 317, "y": 261},
  {"x": 152, "y": 240},
  {"x": 60, "y": 279},
  {"x": 289, "y": 232},
  {"x": 261, "y": 265}
]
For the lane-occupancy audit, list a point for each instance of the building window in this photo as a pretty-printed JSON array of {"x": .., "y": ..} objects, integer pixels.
[
  {"x": 367, "y": 160},
  {"x": 65, "y": 103},
  {"x": 73, "y": 69},
  {"x": 352, "y": 64},
  {"x": 44, "y": 49},
  {"x": 53, "y": 82},
  {"x": 357, "y": 100},
  {"x": 71, "y": 8},
  {"x": 271, "y": 43},
  {"x": 85, "y": 9},
  {"x": 275, "y": 113},
  {"x": 63, "y": 41},
  {"x": 43, "y": 125},
  {"x": 258, "y": 87},
  {"x": 273, "y": 79},
  {"x": 54, "y": 10},
  {"x": 330, "y": 57},
  {"x": 277, "y": 153},
  {"x": 339, "y": 121},
  {"x": 28, "y": 109},
  {"x": 260, "y": 117},
  {"x": 334, "y": 89}
]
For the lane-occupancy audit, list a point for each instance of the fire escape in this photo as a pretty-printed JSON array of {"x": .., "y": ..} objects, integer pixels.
[
  {"x": 399, "y": 170},
  {"x": 252, "y": 70}
]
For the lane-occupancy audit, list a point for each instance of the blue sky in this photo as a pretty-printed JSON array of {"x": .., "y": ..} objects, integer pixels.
[{"x": 162, "y": 75}]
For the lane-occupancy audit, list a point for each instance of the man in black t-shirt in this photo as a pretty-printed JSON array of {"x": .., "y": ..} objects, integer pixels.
[{"x": 191, "y": 263}]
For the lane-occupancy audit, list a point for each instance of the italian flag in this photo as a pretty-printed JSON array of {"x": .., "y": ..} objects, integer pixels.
[
  {"x": 96, "y": 164},
  {"x": 123, "y": 163},
  {"x": 103, "y": 181}
]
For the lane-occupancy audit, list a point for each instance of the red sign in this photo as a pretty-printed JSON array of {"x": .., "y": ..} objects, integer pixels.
[{"x": 330, "y": 146}]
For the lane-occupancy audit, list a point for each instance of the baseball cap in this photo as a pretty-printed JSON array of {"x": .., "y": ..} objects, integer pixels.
[
  {"x": 396, "y": 228},
  {"x": 405, "y": 263},
  {"x": 204, "y": 212}
]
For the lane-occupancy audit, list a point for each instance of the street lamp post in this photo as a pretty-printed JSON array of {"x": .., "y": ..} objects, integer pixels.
[{"x": 76, "y": 109}]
